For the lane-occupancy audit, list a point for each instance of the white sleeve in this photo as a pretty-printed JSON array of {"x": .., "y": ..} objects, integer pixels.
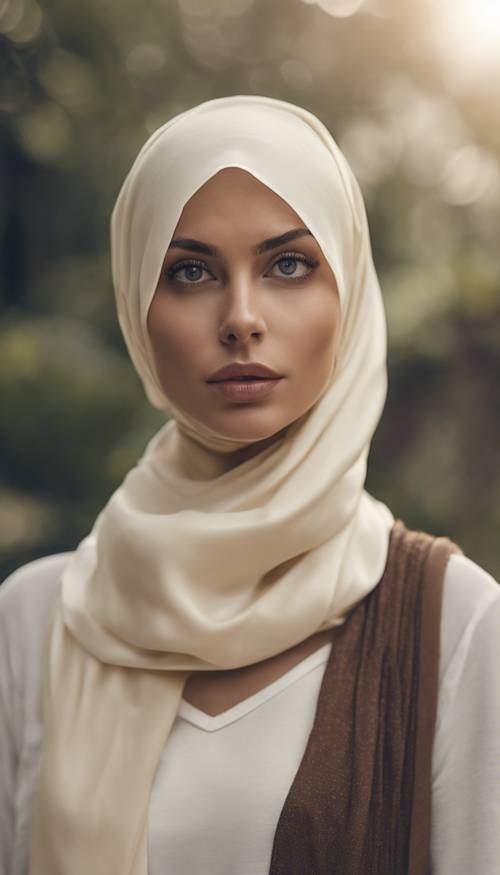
[
  {"x": 465, "y": 834},
  {"x": 8, "y": 750},
  {"x": 27, "y": 598}
]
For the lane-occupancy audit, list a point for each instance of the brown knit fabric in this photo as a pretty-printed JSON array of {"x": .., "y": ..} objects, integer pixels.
[{"x": 360, "y": 801}]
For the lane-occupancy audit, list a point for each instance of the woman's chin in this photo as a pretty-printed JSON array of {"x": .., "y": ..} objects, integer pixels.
[{"x": 251, "y": 433}]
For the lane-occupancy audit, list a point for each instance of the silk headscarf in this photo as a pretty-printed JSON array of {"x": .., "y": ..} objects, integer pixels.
[{"x": 193, "y": 566}]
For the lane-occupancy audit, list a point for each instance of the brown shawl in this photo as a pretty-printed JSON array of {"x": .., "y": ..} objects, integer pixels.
[{"x": 360, "y": 802}]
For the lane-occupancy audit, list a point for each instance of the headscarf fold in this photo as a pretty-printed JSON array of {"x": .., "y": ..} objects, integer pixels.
[{"x": 193, "y": 566}]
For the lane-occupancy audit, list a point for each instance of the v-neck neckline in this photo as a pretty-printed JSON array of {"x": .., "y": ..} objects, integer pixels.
[{"x": 211, "y": 723}]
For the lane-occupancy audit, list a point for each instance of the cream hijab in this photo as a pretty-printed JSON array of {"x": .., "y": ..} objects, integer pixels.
[{"x": 191, "y": 566}]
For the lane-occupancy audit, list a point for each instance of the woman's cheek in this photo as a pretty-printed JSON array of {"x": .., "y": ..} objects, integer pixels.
[{"x": 322, "y": 339}]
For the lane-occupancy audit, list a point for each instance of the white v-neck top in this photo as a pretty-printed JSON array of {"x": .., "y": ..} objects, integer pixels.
[
  {"x": 222, "y": 781},
  {"x": 225, "y": 773}
]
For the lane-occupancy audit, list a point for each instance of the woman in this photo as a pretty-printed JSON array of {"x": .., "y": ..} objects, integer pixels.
[{"x": 238, "y": 667}]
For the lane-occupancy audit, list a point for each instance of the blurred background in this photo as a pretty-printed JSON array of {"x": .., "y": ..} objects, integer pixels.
[{"x": 411, "y": 92}]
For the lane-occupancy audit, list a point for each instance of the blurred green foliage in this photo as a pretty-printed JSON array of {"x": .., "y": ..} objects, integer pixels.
[{"x": 82, "y": 86}]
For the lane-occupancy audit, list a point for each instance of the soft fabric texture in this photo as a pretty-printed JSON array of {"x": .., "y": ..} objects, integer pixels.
[
  {"x": 264, "y": 738},
  {"x": 191, "y": 566},
  {"x": 361, "y": 799}
]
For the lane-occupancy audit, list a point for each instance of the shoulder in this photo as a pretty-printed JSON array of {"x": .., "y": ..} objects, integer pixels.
[
  {"x": 27, "y": 600},
  {"x": 32, "y": 588},
  {"x": 470, "y": 621},
  {"x": 470, "y": 594},
  {"x": 468, "y": 583}
]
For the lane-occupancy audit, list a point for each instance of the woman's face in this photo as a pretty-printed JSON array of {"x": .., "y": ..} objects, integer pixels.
[{"x": 230, "y": 297}]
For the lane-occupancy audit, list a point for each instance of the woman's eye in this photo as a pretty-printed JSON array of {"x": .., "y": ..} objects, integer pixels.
[
  {"x": 193, "y": 272},
  {"x": 293, "y": 266}
]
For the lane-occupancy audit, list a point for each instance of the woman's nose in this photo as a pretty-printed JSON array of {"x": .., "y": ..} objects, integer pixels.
[{"x": 242, "y": 317}]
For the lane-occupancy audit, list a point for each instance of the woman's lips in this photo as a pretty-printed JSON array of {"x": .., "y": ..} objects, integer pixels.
[
  {"x": 245, "y": 370},
  {"x": 246, "y": 390}
]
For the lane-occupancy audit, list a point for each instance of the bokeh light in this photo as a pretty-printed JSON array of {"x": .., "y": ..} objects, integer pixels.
[
  {"x": 467, "y": 34},
  {"x": 410, "y": 90},
  {"x": 339, "y": 8}
]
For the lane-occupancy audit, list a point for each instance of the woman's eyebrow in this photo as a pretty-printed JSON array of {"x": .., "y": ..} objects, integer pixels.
[{"x": 265, "y": 246}]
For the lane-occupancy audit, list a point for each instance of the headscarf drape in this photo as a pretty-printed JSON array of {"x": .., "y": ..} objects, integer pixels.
[{"x": 191, "y": 566}]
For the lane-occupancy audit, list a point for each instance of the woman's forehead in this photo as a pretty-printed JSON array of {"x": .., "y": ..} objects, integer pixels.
[
  {"x": 233, "y": 185},
  {"x": 234, "y": 204}
]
